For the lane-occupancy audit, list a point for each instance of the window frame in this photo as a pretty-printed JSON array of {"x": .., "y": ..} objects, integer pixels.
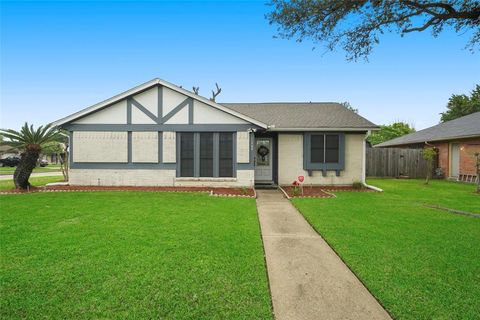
[
  {"x": 216, "y": 155},
  {"x": 323, "y": 166}
]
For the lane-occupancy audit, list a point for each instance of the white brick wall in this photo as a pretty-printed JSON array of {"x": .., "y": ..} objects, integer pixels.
[
  {"x": 243, "y": 147},
  {"x": 290, "y": 161},
  {"x": 137, "y": 177},
  {"x": 145, "y": 147},
  {"x": 100, "y": 146},
  {"x": 121, "y": 177},
  {"x": 245, "y": 178},
  {"x": 169, "y": 147}
]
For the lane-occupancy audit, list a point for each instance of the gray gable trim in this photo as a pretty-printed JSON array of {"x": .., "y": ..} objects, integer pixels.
[
  {"x": 161, "y": 127},
  {"x": 144, "y": 87},
  {"x": 123, "y": 166},
  {"x": 144, "y": 110},
  {"x": 187, "y": 101},
  {"x": 160, "y": 101}
]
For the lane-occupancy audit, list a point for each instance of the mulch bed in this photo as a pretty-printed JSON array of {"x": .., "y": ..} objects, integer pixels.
[
  {"x": 237, "y": 192},
  {"x": 320, "y": 191}
]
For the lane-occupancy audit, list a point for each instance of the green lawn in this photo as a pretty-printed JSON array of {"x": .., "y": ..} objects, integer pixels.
[
  {"x": 131, "y": 255},
  {"x": 49, "y": 168},
  {"x": 420, "y": 263},
  {"x": 35, "y": 181}
]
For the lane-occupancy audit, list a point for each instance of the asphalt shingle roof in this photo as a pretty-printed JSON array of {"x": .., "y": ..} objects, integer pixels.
[
  {"x": 302, "y": 115},
  {"x": 464, "y": 127}
]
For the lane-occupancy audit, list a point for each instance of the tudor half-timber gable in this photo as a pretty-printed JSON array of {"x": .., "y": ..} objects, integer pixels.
[{"x": 141, "y": 129}]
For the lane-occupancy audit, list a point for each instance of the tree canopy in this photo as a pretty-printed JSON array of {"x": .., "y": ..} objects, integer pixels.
[
  {"x": 460, "y": 105},
  {"x": 356, "y": 26},
  {"x": 388, "y": 132}
]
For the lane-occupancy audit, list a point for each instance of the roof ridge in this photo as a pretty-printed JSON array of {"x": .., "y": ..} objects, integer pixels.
[{"x": 297, "y": 102}]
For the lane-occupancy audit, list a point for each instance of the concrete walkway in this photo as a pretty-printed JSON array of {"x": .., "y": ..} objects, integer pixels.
[
  {"x": 34, "y": 174},
  {"x": 307, "y": 279}
]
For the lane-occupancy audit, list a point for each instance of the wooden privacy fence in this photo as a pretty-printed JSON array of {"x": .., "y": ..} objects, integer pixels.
[{"x": 395, "y": 162}]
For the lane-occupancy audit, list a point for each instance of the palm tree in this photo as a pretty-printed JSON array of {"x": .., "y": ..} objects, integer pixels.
[{"x": 30, "y": 142}]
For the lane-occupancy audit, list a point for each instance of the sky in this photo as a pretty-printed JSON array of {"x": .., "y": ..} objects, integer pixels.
[{"x": 60, "y": 57}]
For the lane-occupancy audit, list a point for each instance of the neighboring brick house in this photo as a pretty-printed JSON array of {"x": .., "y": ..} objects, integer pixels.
[
  {"x": 457, "y": 142},
  {"x": 161, "y": 134}
]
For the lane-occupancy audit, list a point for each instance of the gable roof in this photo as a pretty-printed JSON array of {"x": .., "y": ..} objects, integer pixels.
[
  {"x": 145, "y": 86},
  {"x": 465, "y": 127},
  {"x": 292, "y": 116}
]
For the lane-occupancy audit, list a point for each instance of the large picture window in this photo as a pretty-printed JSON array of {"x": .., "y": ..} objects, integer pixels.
[
  {"x": 324, "y": 151},
  {"x": 187, "y": 154},
  {"x": 225, "y": 147},
  {"x": 206, "y": 154}
]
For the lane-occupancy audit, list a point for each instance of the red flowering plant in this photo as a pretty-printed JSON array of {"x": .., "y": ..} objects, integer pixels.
[{"x": 296, "y": 187}]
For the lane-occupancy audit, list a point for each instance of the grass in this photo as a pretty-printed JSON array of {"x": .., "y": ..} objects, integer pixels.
[
  {"x": 35, "y": 181},
  {"x": 11, "y": 170},
  {"x": 420, "y": 263},
  {"x": 131, "y": 255}
]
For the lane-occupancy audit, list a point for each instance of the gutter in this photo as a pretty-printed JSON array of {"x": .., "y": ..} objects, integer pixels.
[{"x": 364, "y": 165}]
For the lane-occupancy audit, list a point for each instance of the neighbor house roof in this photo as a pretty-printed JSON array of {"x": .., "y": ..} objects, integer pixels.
[
  {"x": 145, "y": 86},
  {"x": 293, "y": 116},
  {"x": 460, "y": 128}
]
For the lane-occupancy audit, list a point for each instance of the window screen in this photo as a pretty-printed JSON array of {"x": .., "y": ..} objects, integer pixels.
[
  {"x": 206, "y": 154},
  {"x": 317, "y": 148},
  {"x": 225, "y": 154},
  {"x": 331, "y": 148},
  {"x": 186, "y": 154}
]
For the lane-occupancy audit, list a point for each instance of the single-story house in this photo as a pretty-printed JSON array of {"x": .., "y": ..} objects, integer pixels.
[
  {"x": 159, "y": 134},
  {"x": 457, "y": 142}
]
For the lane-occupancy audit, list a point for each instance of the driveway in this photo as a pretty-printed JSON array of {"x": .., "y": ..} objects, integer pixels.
[{"x": 307, "y": 279}]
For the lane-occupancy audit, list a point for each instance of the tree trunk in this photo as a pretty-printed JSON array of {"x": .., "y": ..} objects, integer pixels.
[{"x": 22, "y": 173}]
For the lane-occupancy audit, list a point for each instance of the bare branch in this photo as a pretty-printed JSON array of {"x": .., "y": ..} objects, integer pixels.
[
  {"x": 196, "y": 90},
  {"x": 215, "y": 94}
]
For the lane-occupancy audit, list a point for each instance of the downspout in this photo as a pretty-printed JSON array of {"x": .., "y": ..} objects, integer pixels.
[{"x": 364, "y": 165}]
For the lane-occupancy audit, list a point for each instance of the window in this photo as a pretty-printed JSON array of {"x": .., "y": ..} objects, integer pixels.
[
  {"x": 324, "y": 151},
  {"x": 206, "y": 154},
  {"x": 226, "y": 155},
  {"x": 331, "y": 148},
  {"x": 186, "y": 155},
  {"x": 317, "y": 147}
]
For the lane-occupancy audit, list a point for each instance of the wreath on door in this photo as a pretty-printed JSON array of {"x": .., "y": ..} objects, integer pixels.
[{"x": 263, "y": 152}]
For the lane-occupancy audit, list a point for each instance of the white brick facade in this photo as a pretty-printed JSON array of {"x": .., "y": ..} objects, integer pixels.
[
  {"x": 290, "y": 161},
  {"x": 100, "y": 146},
  {"x": 145, "y": 147},
  {"x": 138, "y": 177},
  {"x": 243, "y": 147}
]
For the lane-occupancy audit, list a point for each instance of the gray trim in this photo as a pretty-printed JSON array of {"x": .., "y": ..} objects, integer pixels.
[
  {"x": 129, "y": 146},
  {"x": 196, "y": 154},
  {"x": 234, "y": 154},
  {"x": 245, "y": 166},
  {"x": 129, "y": 111},
  {"x": 160, "y": 102},
  {"x": 216, "y": 154},
  {"x": 308, "y": 165},
  {"x": 122, "y": 166},
  {"x": 161, "y": 127},
  {"x": 177, "y": 150},
  {"x": 144, "y": 110},
  {"x": 70, "y": 148},
  {"x": 190, "y": 112},
  {"x": 176, "y": 110},
  {"x": 160, "y": 147}
]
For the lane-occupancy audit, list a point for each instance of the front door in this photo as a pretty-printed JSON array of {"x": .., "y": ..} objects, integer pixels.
[
  {"x": 455, "y": 164},
  {"x": 263, "y": 159}
]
